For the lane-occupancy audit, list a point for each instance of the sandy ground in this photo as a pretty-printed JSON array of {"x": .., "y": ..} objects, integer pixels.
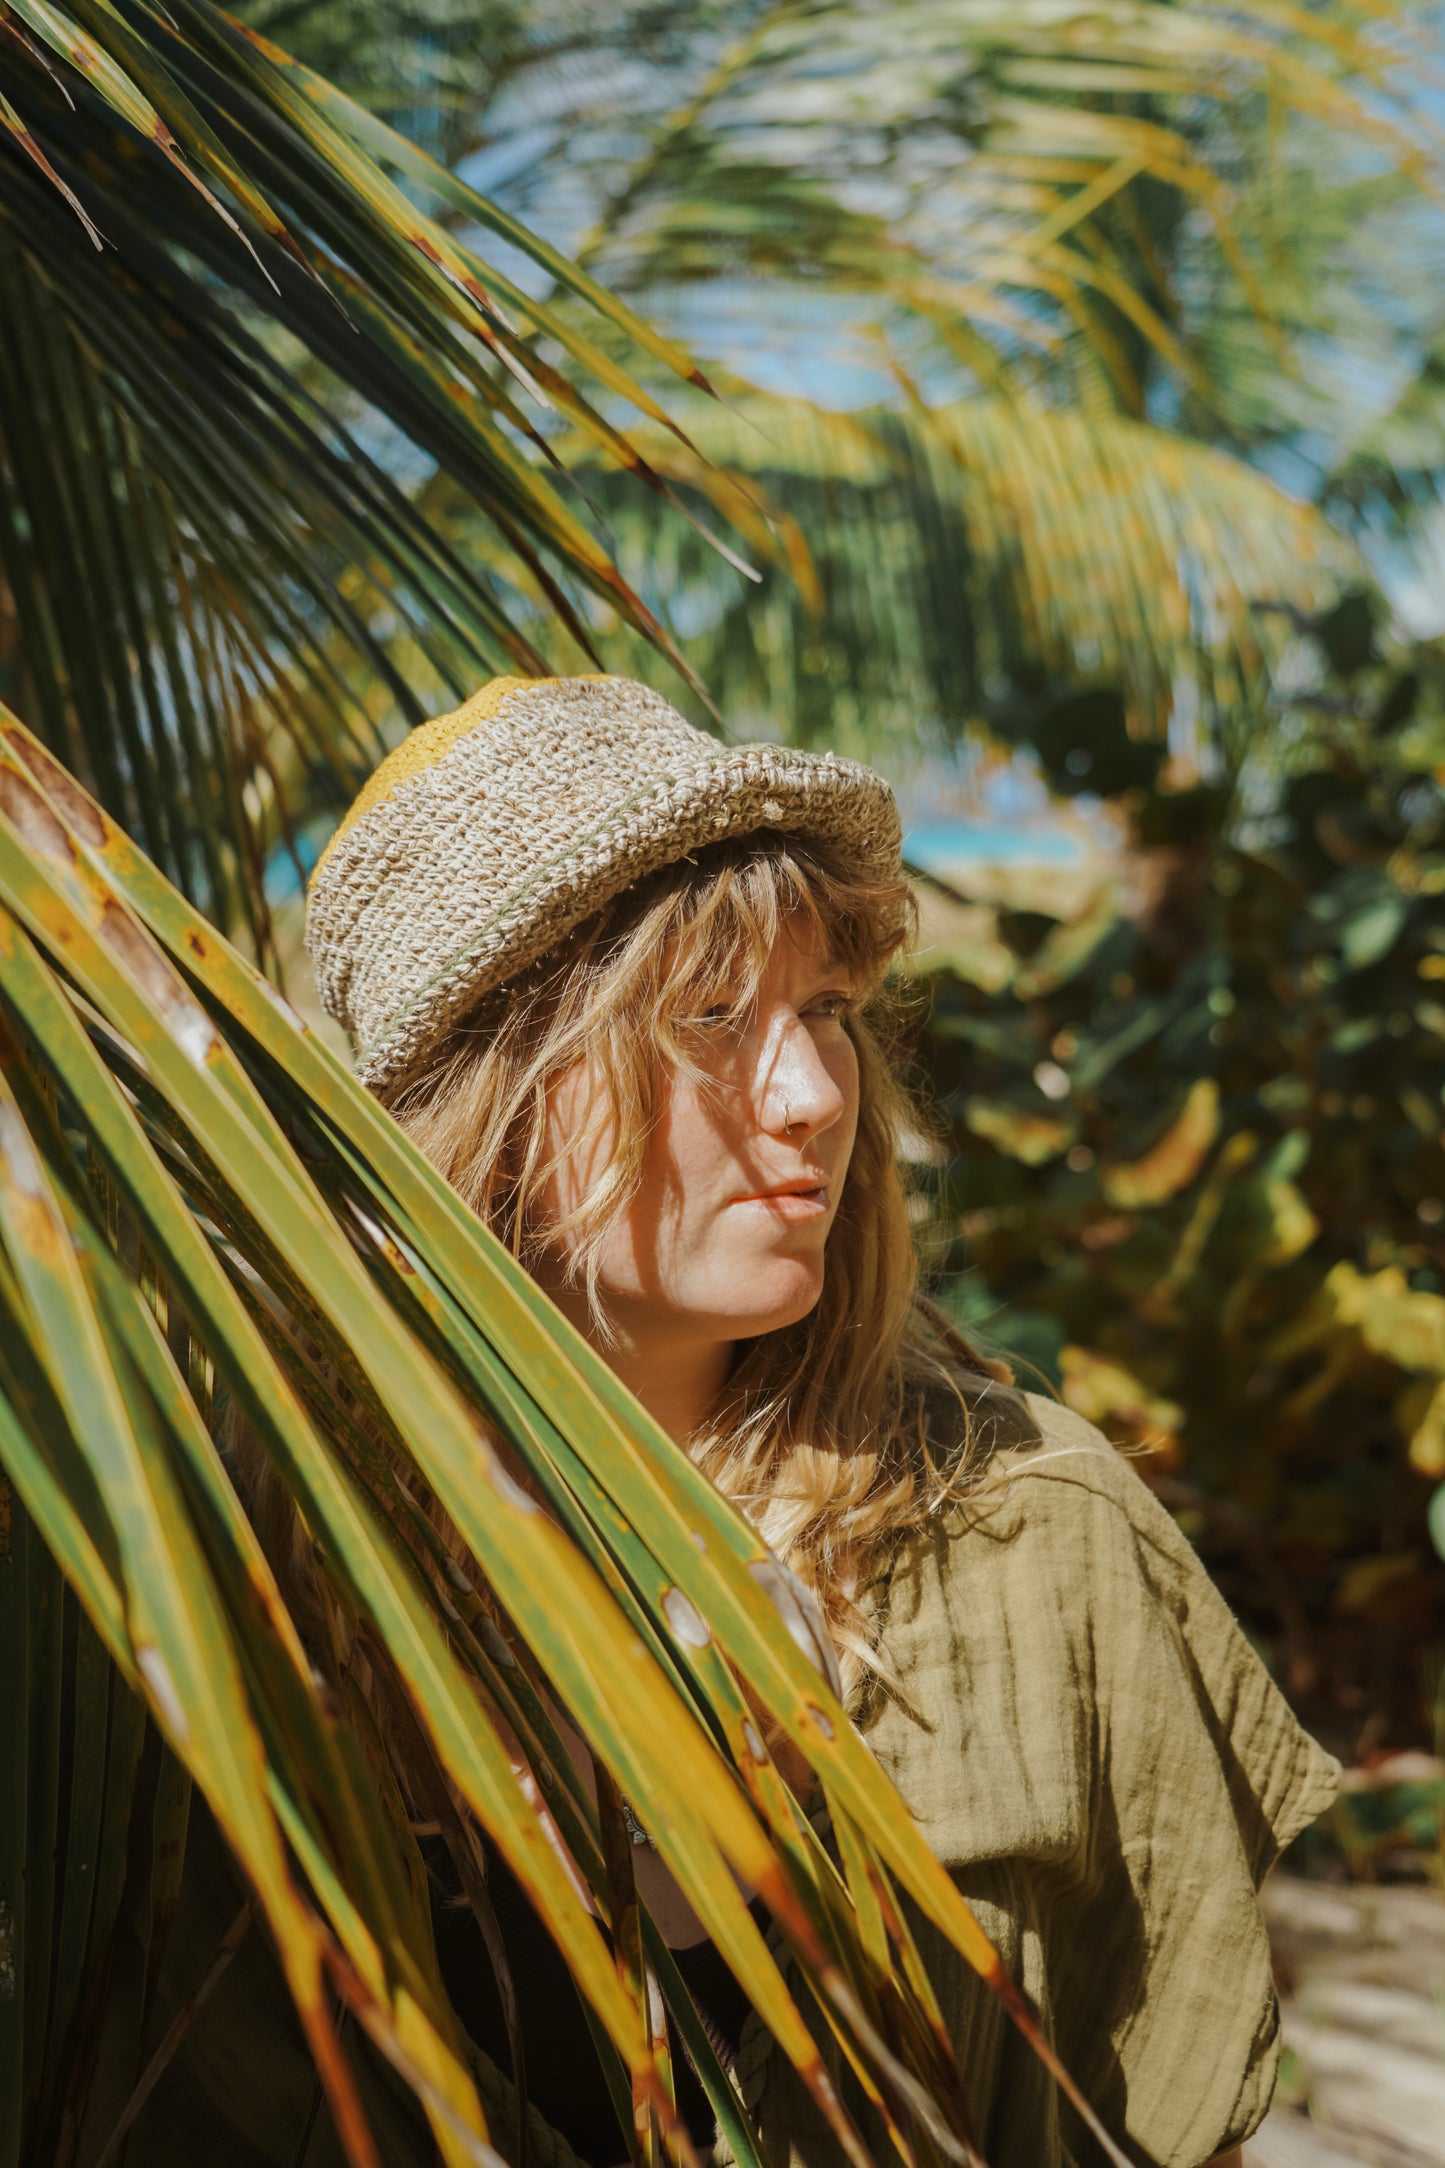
[{"x": 1362, "y": 1978}]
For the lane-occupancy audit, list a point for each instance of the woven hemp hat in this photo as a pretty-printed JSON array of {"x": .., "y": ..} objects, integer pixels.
[{"x": 490, "y": 833}]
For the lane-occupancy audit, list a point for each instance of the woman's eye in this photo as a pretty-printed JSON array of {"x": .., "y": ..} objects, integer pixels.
[{"x": 830, "y": 1005}]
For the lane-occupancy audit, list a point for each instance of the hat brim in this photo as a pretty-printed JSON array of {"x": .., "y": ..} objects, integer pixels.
[{"x": 748, "y": 788}]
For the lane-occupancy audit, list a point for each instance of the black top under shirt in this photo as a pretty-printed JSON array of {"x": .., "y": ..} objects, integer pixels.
[{"x": 565, "y": 2082}]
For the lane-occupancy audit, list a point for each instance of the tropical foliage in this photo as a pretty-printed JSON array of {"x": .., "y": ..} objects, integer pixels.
[
  {"x": 937, "y": 572},
  {"x": 230, "y": 332},
  {"x": 198, "y": 1206},
  {"x": 998, "y": 197},
  {"x": 1007, "y": 301},
  {"x": 287, "y": 404},
  {"x": 303, "y": 459},
  {"x": 1194, "y": 1163}
]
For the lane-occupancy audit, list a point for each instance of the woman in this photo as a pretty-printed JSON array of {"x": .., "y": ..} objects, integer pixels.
[{"x": 625, "y": 987}]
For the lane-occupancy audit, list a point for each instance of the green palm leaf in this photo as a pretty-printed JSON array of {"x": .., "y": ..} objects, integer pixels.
[
  {"x": 1016, "y": 178},
  {"x": 955, "y": 563},
  {"x": 212, "y": 588},
  {"x": 159, "y": 1104},
  {"x": 1008, "y": 231}
]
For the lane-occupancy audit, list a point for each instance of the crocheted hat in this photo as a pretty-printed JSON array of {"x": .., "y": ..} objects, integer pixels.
[{"x": 491, "y": 832}]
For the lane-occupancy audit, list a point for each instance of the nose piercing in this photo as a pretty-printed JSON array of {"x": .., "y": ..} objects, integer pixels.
[{"x": 787, "y": 1115}]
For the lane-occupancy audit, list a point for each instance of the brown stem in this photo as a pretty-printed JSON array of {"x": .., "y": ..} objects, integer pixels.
[{"x": 180, "y": 2025}]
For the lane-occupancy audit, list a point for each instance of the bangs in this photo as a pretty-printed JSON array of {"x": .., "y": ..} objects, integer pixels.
[{"x": 717, "y": 918}]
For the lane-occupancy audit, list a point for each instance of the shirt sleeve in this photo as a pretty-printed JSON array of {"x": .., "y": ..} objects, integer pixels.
[{"x": 1098, "y": 1755}]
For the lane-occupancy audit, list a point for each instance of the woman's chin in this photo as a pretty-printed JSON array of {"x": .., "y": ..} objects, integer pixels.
[{"x": 774, "y": 1300}]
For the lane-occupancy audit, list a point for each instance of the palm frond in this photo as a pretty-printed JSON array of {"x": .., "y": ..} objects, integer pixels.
[
  {"x": 1020, "y": 181},
  {"x": 949, "y": 565},
  {"x": 215, "y": 584},
  {"x": 198, "y": 1205}
]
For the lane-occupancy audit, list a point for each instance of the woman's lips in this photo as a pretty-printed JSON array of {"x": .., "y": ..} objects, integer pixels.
[{"x": 790, "y": 1204}]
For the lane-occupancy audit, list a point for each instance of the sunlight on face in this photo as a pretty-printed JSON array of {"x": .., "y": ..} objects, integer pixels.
[{"x": 726, "y": 1236}]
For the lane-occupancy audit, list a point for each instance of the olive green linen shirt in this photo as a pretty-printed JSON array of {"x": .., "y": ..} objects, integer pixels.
[
  {"x": 1096, "y": 1753},
  {"x": 1090, "y": 1746}
]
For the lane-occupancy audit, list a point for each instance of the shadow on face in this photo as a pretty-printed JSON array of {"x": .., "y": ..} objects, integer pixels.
[{"x": 742, "y": 1169}]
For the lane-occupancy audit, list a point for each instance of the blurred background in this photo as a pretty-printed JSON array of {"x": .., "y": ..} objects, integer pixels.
[{"x": 1062, "y": 430}]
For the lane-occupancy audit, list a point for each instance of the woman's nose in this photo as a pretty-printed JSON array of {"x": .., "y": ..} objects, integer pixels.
[{"x": 800, "y": 1097}]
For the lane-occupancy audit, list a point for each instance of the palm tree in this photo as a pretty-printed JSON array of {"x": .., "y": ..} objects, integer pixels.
[
  {"x": 1007, "y": 304},
  {"x": 204, "y": 1220},
  {"x": 211, "y": 579},
  {"x": 257, "y": 365}
]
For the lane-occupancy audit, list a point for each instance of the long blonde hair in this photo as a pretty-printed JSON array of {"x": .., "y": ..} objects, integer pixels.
[{"x": 837, "y": 1431}]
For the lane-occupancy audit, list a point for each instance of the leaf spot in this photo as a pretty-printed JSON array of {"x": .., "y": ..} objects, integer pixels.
[
  {"x": 686, "y": 1621},
  {"x": 156, "y": 1672}
]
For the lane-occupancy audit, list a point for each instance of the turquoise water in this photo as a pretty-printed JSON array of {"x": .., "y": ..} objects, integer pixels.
[
  {"x": 280, "y": 880},
  {"x": 937, "y": 845}
]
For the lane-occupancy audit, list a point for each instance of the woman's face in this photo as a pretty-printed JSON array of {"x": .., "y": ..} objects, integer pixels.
[{"x": 744, "y": 1168}]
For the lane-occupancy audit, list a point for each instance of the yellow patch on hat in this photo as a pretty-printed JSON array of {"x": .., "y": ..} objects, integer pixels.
[{"x": 422, "y": 748}]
